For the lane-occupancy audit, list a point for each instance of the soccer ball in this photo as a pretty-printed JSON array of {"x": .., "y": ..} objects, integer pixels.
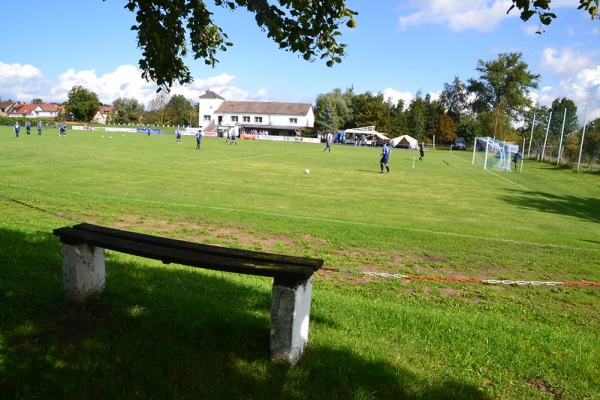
[{"x": 307, "y": 171}]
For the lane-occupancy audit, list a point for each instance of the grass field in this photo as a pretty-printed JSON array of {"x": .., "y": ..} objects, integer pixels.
[{"x": 173, "y": 332}]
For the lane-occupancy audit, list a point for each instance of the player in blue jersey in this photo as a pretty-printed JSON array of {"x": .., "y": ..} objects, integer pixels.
[
  {"x": 327, "y": 142},
  {"x": 385, "y": 158},
  {"x": 17, "y": 129},
  {"x": 39, "y": 128},
  {"x": 516, "y": 159}
]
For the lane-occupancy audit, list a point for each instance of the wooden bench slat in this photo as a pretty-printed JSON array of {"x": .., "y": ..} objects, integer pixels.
[
  {"x": 192, "y": 254},
  {"x": 204, "y": 248}
]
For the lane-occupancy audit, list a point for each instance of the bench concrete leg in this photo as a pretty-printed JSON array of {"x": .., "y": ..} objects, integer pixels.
[
  {"x": 290, "y": 311},
  {"x": 83, "y": 271}
]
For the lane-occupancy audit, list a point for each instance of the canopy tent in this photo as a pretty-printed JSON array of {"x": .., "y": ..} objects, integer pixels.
[
  {"x": 405, "y": 141},
  {"x": 368, "y": 135}
]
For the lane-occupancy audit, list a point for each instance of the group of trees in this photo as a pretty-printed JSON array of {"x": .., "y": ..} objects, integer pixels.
[
  {"x": 485, "y": 106},
  {"x": 164, "y": 109},
  {"x": 495, "y": 104}
]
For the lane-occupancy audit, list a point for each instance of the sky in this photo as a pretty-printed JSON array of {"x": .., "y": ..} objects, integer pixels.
[{"x": 399, "y": 47}]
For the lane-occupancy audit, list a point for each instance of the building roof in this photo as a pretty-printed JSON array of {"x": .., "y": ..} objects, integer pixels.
[
  {"x": 4, "y": 104},
  {"x": 28, "y": 109},
  {"x": 24, "y": 109},
  {"x": 211, "y": 95},
  {"x": 105, "y": 109},
  {"x": 256, "y": 107},
  {"x": 48, "y": 107}
]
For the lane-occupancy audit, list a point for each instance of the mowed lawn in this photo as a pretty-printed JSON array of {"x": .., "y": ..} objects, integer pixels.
[{"x": 164, "y": 331}]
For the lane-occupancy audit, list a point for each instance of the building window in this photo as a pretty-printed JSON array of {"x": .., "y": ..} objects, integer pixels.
[
  {"x": 206, "y": 118},
  {"x": 246, "y": 119},
  {"x": 234, "y": 118},
  {"x": 293, "y": 120},
  {"x": 258, "y": 119}
]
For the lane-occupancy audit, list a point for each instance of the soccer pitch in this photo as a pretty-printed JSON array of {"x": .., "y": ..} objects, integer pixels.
[
  {"x": 442, "y": 205},
  {"x": 373, "y": 333}
]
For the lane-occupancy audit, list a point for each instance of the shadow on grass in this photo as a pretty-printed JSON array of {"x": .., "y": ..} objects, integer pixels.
[
  {"x": 164, "y": 332},
  {"x": 587, "y": 209}
]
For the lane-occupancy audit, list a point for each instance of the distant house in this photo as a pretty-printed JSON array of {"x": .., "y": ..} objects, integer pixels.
[
  {"x": 274, "y": 118},
  {"x": 5, "y": 107},
  {"x": 102, "y": 115},
  {"x": 34, "y": 111}
]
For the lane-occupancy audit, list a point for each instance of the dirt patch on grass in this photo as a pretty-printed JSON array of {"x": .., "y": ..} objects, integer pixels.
[
  {"x": 220, "y": 235},
  {"x": 361, "y": 260}
]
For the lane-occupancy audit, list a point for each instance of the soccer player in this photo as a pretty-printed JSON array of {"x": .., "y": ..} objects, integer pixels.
[
  {"x": 178, "y": 135},
  {"x": 421, "y": 151},
  {"x": 385, "y": 158},
  {"x": 39, "y": 128},
  {"x": 17, "y": 129},
  {"x": 516, "y": 159},
  {"x": 328, "y": 143},
  {"x": 198, "y": 140},
  {"x": 28, "y": 127}
]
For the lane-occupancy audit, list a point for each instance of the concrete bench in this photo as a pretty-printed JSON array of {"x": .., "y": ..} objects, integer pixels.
[{"x": 84, "y": 274}]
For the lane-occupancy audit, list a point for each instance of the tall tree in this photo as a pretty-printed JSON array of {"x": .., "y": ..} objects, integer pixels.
[
  {"x": 435, "y": 109},
  {"x": 326, "y": 119},
  {"x": 503, "y": 83},
  {"x": 455, "y": 98},
  {"x": 158, "y": 105},
  {"x": 127, "y": 110},
  {"x": 82, "y": 103},
  {"x": 469, "y": 128},
  {"x": 417, "y": 117},
  {"x": 591, "y": 142},
  {"x": 371, "y": 110},
  {"x": 178, "y": 111},
  {"x": 342, "y": 102},
  {"x": 398, "y": 124},
  {"x": 558, "y": 115},
  {"x": 445, "y": 128},
  {"x": 37, "y": 101}
]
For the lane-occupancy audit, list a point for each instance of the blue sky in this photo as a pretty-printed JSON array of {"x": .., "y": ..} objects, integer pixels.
[{"x": 398, "y": 48}]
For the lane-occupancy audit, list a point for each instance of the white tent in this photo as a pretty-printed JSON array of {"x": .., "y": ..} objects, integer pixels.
[
  {"x": 368, "y": 133},
  {"x": 405, "y": 141}
]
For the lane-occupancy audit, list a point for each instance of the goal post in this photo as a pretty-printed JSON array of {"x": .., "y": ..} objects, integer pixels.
[{"x": 493, "y": 153}]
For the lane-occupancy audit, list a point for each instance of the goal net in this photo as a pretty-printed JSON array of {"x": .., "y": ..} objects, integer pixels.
[{"x": 493, "y": 153}]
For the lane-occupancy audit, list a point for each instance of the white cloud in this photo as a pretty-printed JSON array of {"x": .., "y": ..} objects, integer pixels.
[
  {"x": 10, "y": 72},
  {"x": 583, "y": 89},
  {"x": 580, "y": 81},
  {"x": 394, "y": 96},
  {"x": 26, "y": 82},
  {"x": 21, "y": 81},
  {"x": 565, "y": 62},
  {"x": 479, "y": 15}
]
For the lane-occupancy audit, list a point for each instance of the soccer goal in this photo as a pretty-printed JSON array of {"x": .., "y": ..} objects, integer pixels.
[{"x": 493, "y": 153}]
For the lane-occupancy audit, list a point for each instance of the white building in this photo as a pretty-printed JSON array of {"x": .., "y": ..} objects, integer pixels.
[
  {"x": 278, "y": 119},
  {"x": 34, "y": 111}
]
